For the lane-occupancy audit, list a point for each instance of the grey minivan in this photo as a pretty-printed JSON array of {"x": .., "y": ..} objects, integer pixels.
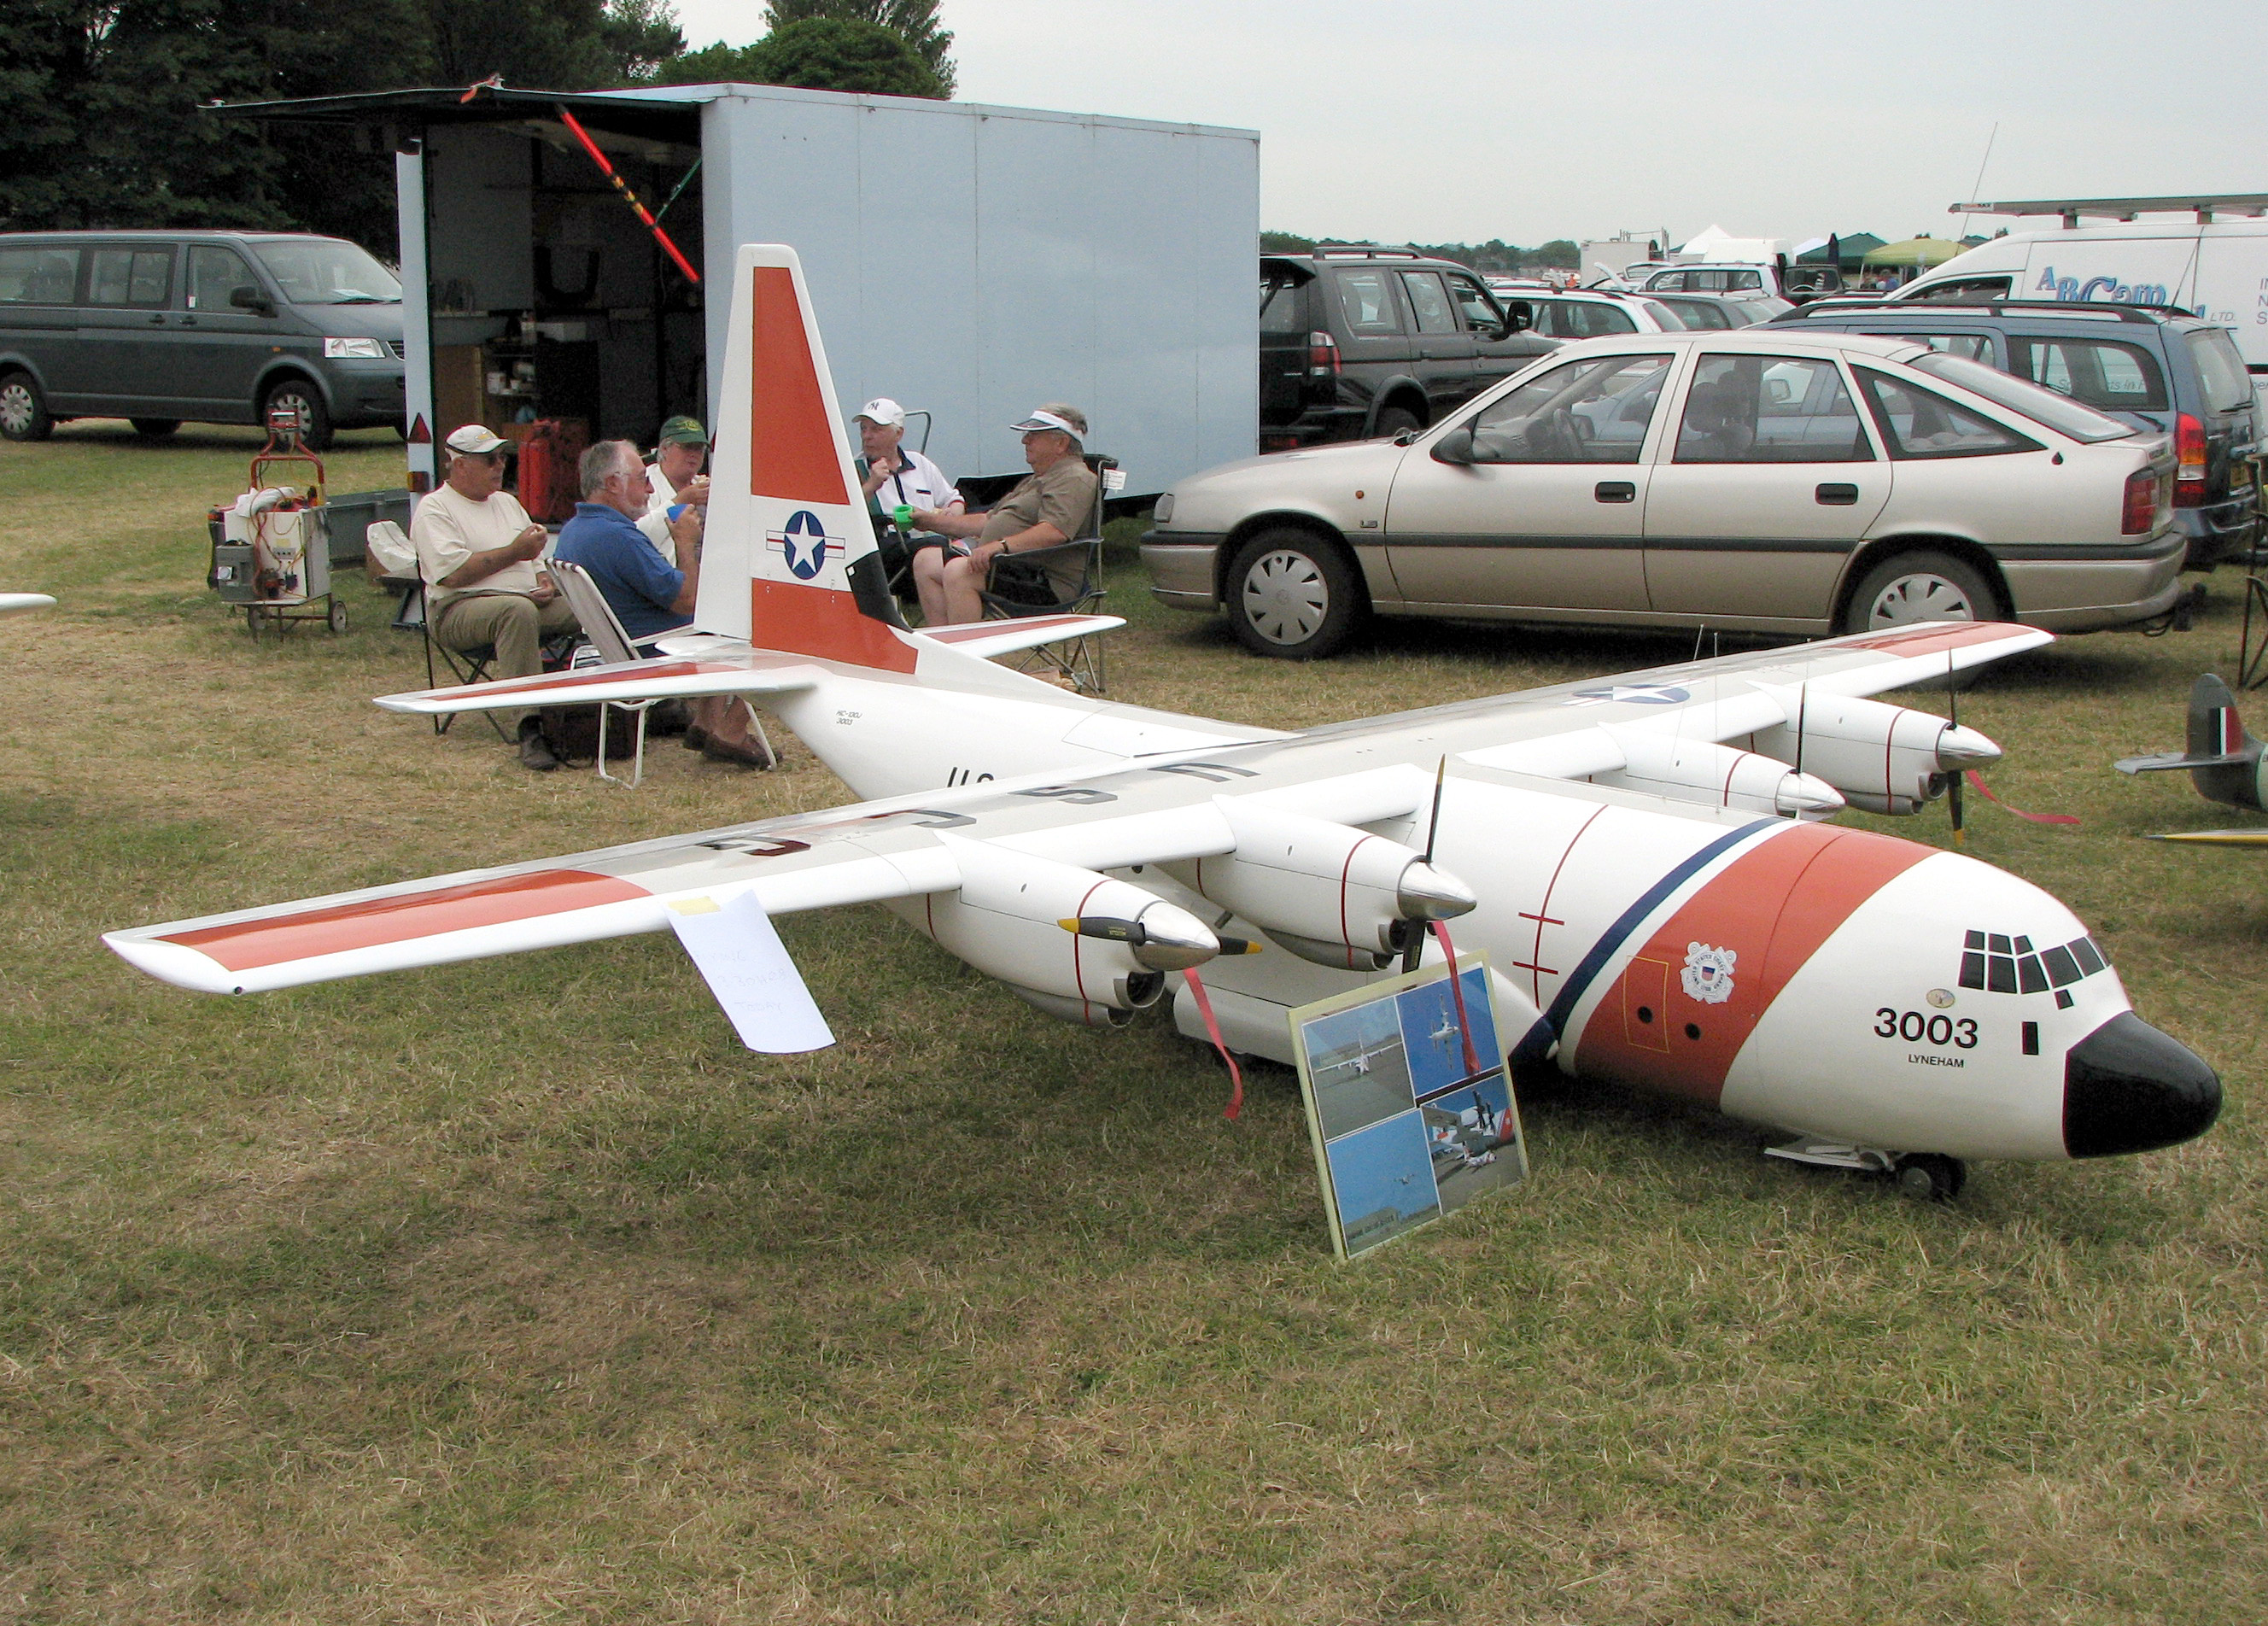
[{"x": 165, "y": 327}]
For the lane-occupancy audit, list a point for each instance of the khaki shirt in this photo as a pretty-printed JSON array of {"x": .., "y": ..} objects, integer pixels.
[
  {"x": 450, "y": 529},
  {"x": 1063, "y": 497}
]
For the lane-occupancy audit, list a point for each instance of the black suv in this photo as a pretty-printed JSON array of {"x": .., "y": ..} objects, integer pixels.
[
  {"x": 2155, "y": 367},
  {"x": 1358, "y": 342}
]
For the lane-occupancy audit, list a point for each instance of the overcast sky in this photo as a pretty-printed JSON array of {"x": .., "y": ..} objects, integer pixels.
[{"x": 1440, "y": 121}]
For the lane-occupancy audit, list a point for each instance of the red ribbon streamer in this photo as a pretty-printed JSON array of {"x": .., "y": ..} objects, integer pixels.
[
  {"x": 2020, "y": 812},
  {"x": 1457, "y": 993},
  {"x": 1235, "y": 1074}
]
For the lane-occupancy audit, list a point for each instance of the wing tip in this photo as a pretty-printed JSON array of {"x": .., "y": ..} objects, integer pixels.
[{"x": 172, "y": 962}]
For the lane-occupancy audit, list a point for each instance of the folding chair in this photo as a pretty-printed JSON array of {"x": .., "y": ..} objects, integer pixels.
[
  {"x": 1062, "y": 580},
  {"x": 603, "y": 629},
  {"x": 465, "y": 665}
]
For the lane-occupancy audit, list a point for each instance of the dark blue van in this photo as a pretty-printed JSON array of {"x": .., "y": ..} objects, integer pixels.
[{"x": 168, "y": 327}]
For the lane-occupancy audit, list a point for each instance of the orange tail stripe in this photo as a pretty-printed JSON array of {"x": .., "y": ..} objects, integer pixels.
[
  {"x": 248, "y": 944},
  {"x": 792, "y": 454}
]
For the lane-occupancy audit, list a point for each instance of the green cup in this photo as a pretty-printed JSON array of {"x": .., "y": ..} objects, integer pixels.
[{"x": 903, "y": 514}]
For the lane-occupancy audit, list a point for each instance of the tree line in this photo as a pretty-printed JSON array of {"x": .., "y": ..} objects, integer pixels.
[
  {"x": 1496, "y": 256},
  {"x": 105, "y": 130}
]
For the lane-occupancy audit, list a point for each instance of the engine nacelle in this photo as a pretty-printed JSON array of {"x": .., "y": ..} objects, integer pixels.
[
  {"x": 1015, "y": 916},
  {"x": 1883, "y": 758},
  {"x": 1326, "y": 892},
  {"x": 1703, "y": 771}
]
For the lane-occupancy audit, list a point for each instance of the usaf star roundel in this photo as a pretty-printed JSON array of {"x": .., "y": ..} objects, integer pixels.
[
  {"x": 805, "y": 544},
  {"x": 1708, "y": 973}
]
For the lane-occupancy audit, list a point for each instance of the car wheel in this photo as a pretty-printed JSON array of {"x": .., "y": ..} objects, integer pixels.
[
  {"x": 304, "y": 399},
  {"x": 1394, "y": 421},
  {"x": 1909, "y": 587},
  {"x": 154, "y": 428},
  {"x": 24, "y": 413},
  {"x": 1292, "y": 595}
]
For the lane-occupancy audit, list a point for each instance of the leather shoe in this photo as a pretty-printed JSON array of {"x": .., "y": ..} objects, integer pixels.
[
  {"x": 747, "y": 753},
  {"x": 535, "y": 752},
  {"x": 696, "y": 739}
]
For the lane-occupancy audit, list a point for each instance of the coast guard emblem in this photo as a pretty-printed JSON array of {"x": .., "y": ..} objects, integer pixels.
[{"x": 1708, "y": 973}]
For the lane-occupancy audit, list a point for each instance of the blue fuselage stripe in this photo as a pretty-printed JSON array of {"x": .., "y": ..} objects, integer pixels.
[{"x": 1580, "y": 980}]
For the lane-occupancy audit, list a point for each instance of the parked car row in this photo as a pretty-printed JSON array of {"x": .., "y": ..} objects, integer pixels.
[
  {"x": 1784, "y": 479},
  {"x": 165, "y": 327}
]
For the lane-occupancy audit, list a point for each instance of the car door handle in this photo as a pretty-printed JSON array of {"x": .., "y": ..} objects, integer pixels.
[
  {"x": 1834, "y": 494},
  {"x": 1614, "y": 491},
  {"x": 158, "y": 319}
]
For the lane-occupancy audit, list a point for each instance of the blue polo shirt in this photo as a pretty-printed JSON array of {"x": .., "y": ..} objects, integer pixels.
[{"x": 631, "y": 576}]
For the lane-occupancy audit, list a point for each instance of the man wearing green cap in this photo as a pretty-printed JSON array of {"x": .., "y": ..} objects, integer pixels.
[{"x": 680, "y": 451}]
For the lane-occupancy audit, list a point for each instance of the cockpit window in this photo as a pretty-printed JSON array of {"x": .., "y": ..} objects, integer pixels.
[{"x": 1999, "y": 963}]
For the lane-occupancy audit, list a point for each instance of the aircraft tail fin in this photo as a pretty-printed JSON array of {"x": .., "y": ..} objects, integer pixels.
[
  {"x": 2222, "y": 759},
  {"x": 789, "y": 562}
]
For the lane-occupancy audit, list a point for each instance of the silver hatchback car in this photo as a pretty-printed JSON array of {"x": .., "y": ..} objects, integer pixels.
[{"x": 1757, "y": 481}]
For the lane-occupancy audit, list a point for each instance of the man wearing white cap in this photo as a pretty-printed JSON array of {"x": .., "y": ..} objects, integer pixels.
[
  {"x": 1050, "y": 507},
  {"x": 897, "y": 477},
  {"x": 476, "y": 550}
]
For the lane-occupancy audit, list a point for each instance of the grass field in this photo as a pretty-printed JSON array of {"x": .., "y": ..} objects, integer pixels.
[{"x": 516, "y": 1291}]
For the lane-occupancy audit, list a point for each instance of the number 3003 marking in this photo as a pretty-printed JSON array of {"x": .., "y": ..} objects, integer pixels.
[{"x": 1914, "y": 1028}]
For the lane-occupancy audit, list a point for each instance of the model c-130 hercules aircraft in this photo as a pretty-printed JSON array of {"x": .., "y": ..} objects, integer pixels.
[{"x": 1639, "y": 856}]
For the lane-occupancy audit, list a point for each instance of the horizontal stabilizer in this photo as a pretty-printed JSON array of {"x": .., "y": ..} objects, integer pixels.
[
  {"x": 2168, "y": 761},
  {"x": 988, "y": 638},
  {"x": 745, "y": 672}
]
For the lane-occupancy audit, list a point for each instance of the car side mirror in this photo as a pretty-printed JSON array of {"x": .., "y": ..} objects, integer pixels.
[
  {"x": 1456, "y": 446},
  {"x": 245, "y": 297},
  {"x": 1518, "y": 317}
]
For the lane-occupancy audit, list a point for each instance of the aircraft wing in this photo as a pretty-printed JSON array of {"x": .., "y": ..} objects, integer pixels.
[
  {"x": 17, "y": 603},
  {"x": 866, "y": 853},
  {"x": 2218, "y": 838}
]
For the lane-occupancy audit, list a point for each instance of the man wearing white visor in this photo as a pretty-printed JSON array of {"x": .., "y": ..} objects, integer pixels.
[{"x": 1048, "y": 508}]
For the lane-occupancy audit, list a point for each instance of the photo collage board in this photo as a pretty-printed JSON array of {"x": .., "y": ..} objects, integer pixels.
[{"x": 1409, "y": 1103}]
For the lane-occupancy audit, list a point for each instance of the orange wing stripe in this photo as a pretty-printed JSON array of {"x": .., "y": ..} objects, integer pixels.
[
  {"x": 1935, "y": 641},
  {"x": 248, "y": 944}
]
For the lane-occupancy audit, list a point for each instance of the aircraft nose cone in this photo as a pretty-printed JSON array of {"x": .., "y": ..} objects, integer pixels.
[
  {"x": 2128, "y": 1087},
  {"x": 1964, "y": 748}
]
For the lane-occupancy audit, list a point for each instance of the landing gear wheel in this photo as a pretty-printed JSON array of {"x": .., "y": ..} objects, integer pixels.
[
  {"x": 1922, "y": 586},
  {"x": 1292, "y": 596},
  {"x": 337, "y": 617},
  {"x": 1931, "y": 1176},
  {"x": 24, "y": 413},
  {"x": 154, "y": 428},
  {"x": 1394, "y": 421},
  {"x": 307, "y": 401}
]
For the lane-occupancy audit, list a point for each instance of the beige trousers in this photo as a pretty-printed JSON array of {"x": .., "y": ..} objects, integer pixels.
[{"x": 515, "y": 623}]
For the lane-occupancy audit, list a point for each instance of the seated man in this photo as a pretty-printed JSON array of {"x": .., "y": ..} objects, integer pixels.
[
  {"x": 476, "y": 550},
  {"x": 1050, "y": 507},
  {"x": 647, "y": 596},
  {"x": 675, "y": 475},
  {"x": 895, "y": 478}
]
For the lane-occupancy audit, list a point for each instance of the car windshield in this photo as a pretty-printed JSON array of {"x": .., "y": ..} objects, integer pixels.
[
  {"x": 2220, "y": 369},
  {"x": 325, "y": 271},
  {"x": 2065, "y": 416}
]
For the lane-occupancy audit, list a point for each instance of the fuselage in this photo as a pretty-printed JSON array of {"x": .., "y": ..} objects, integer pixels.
[{"x": 1832, "y": 982}]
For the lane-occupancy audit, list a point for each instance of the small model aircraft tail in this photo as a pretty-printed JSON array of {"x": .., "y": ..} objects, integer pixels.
[{"x": 2223, "y": 760}]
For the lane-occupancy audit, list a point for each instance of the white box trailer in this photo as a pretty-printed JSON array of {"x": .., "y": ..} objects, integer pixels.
[{"x": 965, "y": 260}]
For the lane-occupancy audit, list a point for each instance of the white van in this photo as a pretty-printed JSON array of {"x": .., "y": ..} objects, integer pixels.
[{"x": 2218, "y": 270}]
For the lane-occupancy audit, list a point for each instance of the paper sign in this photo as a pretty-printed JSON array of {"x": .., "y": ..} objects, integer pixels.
[{"x": 748, "y": 969}]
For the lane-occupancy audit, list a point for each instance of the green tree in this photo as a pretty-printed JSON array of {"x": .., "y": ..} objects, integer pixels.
[
  {"x": 816, "y": 54},
  {"x": 914, "y": 21}
]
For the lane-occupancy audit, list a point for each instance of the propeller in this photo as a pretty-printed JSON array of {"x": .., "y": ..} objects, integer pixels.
[
  {"x": 1954, "y": 785},
  {"x": 1414, "y": 949}
]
